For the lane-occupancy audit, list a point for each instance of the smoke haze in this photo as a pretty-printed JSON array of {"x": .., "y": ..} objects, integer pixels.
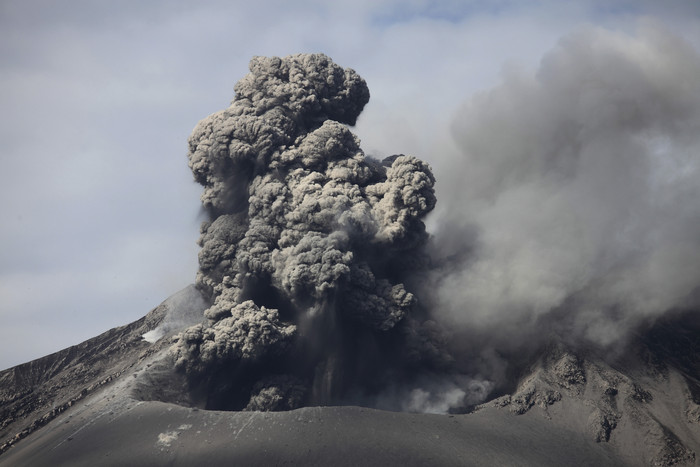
[{"x": 572, "y": 208}]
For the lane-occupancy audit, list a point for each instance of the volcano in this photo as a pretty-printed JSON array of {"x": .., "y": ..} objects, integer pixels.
[{"x": 327, "y": 326}]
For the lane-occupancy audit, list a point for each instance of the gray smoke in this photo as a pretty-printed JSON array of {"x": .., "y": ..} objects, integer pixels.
[
  {"x": 577, "y": 207},
  {"x": 308, "y": 247},
  {"x": 571, "y": 214}
]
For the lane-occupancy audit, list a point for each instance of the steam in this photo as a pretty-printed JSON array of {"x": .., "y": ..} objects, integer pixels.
[
  {"x": 308, "y": 248},
  {"x": 434, "y": 393},
  {"x": 580, "y": 185},
  {"x": 182, "y": 309}
]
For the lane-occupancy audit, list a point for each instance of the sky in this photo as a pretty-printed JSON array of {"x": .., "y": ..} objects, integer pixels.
[{"x": 100, "y": 213}]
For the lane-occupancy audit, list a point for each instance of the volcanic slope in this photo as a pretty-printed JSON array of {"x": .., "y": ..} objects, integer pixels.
[{"x": 93, "y": 404}]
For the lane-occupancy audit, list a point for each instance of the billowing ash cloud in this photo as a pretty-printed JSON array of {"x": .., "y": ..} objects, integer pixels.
[
  {"x": 578, "y": 207},
  {"x": 571, "y": 214},
  {"x": 308, "y": 247}
]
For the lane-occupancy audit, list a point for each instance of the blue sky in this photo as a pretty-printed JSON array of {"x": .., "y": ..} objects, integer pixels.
[{"x": 97, "y": 98}]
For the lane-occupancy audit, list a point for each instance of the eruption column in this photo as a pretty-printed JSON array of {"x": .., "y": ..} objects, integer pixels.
[{"x": 308, "y": 247}]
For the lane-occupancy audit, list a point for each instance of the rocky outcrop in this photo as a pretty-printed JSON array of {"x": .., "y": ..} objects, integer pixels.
[{"x": 646, "y": 412}]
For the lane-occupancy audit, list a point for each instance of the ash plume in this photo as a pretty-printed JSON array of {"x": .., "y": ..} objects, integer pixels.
[
  {"x": 578, "y": 207},
  {"x": 308, "y": 248},
  {"x": 571, "y": 215}
]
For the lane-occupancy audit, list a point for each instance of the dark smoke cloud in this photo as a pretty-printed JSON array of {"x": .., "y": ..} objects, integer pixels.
[
  {"x": 575, "y": 207},
  {"x": 308, "y": 247},
  {"x": 571, "y": 215}
]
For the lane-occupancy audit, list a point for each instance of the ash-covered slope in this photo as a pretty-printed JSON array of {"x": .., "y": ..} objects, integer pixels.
[
  {"x": 569, "y": 408},
  {"x": 312, "y": 436},
  {"x": 643, "y": 403},
  {"x": 34, "y": 393}
]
